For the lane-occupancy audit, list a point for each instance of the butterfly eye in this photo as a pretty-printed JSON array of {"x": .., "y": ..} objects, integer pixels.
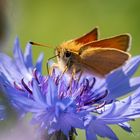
[
  {"x": 68, "y": 54},
  {"x": 58, "y": 53}
]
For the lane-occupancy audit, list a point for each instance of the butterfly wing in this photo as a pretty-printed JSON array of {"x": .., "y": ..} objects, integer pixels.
[
  {"x": 76, "y": 44},
  {"x": 103, "y": 60},
  {"x": 121, "y": 42},
  {"x": 89, "y": 37}
]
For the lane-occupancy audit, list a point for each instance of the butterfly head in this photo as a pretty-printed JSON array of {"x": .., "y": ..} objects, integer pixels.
[{"x": 64, "y": 56}]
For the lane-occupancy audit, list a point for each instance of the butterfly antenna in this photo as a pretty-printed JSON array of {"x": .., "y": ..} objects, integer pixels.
[{"x": 38, "y": 44}]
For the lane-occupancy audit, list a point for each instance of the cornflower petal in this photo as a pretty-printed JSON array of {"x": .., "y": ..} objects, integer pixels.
[
  {"x": 28, "y": 56},
  {"x": 38, "y": 97},
  {"x": 18, "y": 58},
  {"x": 39, "y": 61},
  {"x": 119, "y": 82},
  {"x": 52, "y": 92},
  {"x": 5, "y": 63},
  {"x": 126, "y": 127},
  {"x": 99, "y": 127}
]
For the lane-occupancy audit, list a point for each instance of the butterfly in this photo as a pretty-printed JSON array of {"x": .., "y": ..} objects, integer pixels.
[{"x": 89, "y": 54}]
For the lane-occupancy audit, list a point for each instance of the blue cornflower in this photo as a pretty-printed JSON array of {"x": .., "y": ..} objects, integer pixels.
[{"x": 90, "y": 104}]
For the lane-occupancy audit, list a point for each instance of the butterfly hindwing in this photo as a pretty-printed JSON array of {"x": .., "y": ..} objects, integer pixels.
[{"x": 103, "y": 60}]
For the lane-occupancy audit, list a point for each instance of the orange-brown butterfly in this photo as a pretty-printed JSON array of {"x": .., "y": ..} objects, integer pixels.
[{"x": 87, "y": 53}]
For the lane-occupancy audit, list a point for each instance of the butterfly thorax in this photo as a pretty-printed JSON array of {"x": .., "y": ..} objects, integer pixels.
[{"x": 67, "y": 55}]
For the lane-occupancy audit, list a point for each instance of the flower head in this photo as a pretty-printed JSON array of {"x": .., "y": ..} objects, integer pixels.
[{"x": 57, "y": 104}]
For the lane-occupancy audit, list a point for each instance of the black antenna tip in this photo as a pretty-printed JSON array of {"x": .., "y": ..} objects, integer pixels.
[{"x": 31, "y": 42}]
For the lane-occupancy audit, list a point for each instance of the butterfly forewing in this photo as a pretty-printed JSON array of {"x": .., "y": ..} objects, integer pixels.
[
  {"x": 121, "y": 42},
  {"x": 103, "y": 60},
  {"x": 89, "y": 37},
  {"x": 76, "y": 44}
]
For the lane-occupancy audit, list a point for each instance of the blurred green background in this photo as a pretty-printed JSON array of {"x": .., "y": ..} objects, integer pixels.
[{"x": 54, "y": 21}]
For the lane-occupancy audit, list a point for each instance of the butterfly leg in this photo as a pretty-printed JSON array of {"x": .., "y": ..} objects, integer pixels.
[
  {"x": 48, "y": 62},
  {"x": 80, "y": 75},
  {"x": 65, "y": 69},
  {"x": 71, "y": 79},
  {"x": 54, "y": 65}
]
